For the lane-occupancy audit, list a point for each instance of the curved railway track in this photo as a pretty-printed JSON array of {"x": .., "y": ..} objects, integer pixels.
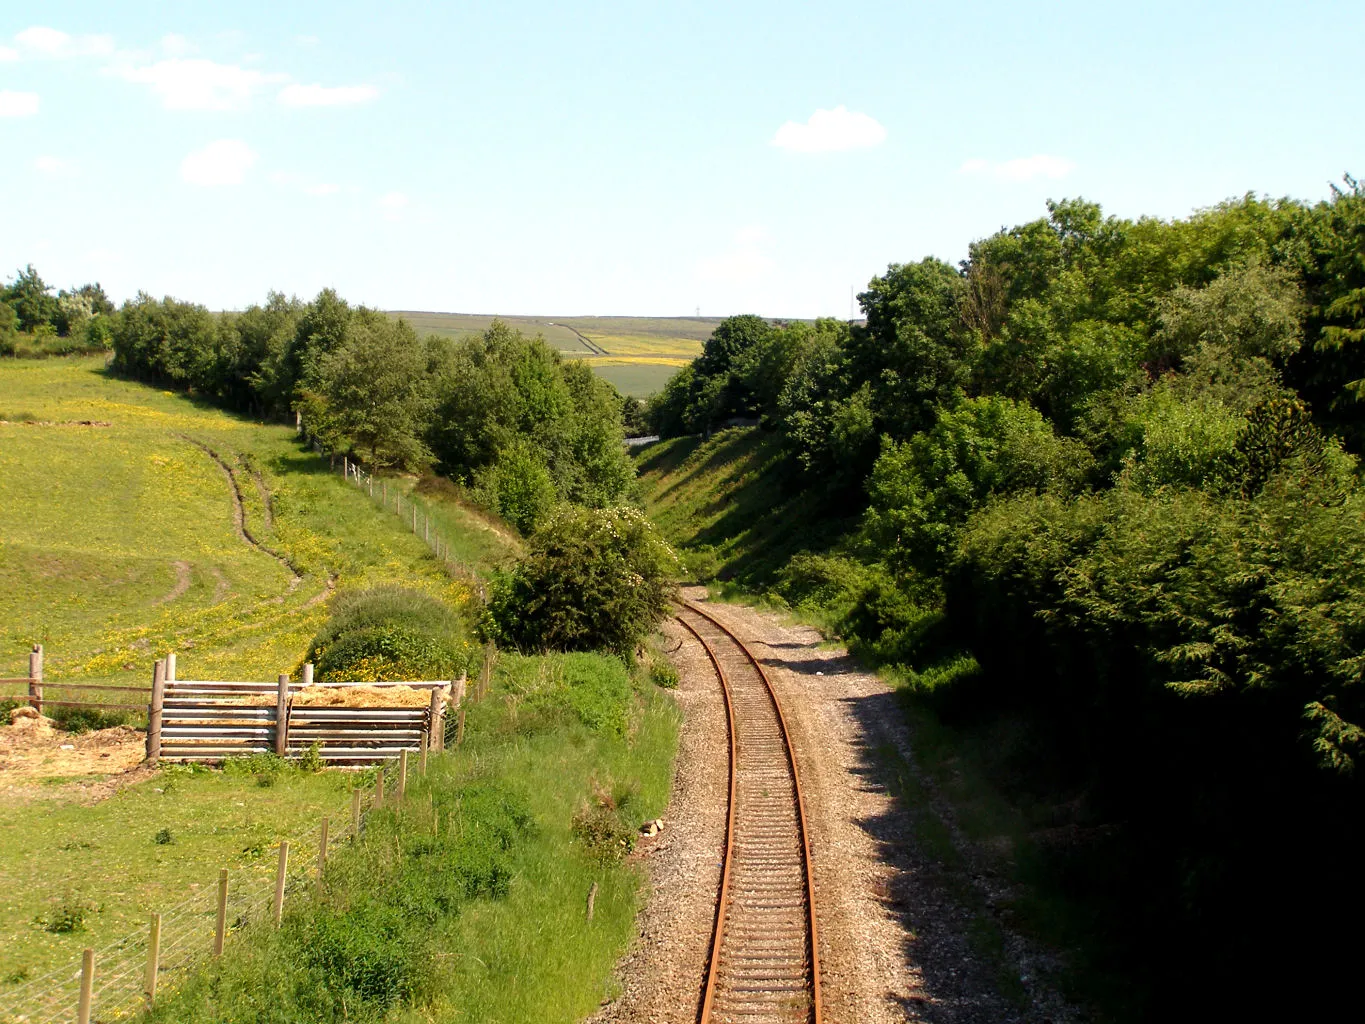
[{"x": 765, "y": 964}]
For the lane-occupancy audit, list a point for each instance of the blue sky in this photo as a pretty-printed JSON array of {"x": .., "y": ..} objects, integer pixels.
[{"x": 640, "y": 158}]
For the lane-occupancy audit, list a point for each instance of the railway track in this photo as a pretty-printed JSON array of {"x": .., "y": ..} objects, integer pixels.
[{"x": 765, "y": 964}]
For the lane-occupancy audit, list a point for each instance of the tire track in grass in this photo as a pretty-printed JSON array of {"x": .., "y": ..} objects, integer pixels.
[
  {"x": 239, "y": 520},
  {"x": 182, "y": 583}
]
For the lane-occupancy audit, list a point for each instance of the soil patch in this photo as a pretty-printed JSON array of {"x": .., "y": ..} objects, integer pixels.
[{"x": 39, "y": 761}]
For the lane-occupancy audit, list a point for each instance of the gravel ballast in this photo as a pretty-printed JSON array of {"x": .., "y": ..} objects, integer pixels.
[{"x": 893, "y": 942}]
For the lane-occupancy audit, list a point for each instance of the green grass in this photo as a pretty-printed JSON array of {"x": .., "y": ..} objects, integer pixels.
[
  {"x": 98, "y": 526},
  {"x": 638, "y": 380},
  {"x": 470, "y": 899},
  {"x": 723, "y": 503},
  {"x": 104, "y": 858}
]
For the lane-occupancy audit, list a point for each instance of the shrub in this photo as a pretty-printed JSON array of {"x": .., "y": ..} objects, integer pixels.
[
  {"x": 518, "y": 487},
  {"x": 593, "y": 579},
  {"x": 69, "y": 916},
  {"x": 311, "y": 760},
  {"x": 163, "y": 837},
  {"x": 662, "y": 673},
  {"x": 388, "y": 634}
]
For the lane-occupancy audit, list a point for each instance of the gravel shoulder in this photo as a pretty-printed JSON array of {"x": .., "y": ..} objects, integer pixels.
[{"x": 894, "y": 940}]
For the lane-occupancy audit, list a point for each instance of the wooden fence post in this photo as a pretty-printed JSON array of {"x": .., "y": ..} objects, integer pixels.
[
  {"x": 153, "y": 960},
  {"x": 459, "y": 727},
  {"x": 355, "y": 810},
  {"x": 220, "y": 928},
  {"x": 282, "y": 717},
  {"x": 402, "y": 774},
  {"x": 379, "y": 786},
  {"x": 422, "y": 757},
  {"x": 35, "y": 678},
  {"x": 436, "y": 727},
  {"x": 170, "y": 668},
  {"x": 414, "y": 516},
  {"x": 322, "y": 847},
  {"x": 154, "y": 712},
  {"x": 308, "y": 674},
  {"x": 280, "y": 873},
  {"x": 345, "y": 469},
  {"x": 87, "y": 987}
]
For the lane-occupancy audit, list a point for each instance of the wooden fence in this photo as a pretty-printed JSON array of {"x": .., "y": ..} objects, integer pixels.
[
  {"x": 202, "y": 720},
  {"x": 33, "y": 689}
]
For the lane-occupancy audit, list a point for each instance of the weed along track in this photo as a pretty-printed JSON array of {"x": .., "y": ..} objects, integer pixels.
[{"x": 764, "y": 963}]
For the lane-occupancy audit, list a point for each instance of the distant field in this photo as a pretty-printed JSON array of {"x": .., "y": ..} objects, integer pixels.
[
  {"x": 637, "y": 354},
  {"x": 638, "y": 380}
]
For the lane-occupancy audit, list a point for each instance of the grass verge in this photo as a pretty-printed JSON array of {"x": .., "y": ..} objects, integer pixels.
[{"x": 468, "y": 902}]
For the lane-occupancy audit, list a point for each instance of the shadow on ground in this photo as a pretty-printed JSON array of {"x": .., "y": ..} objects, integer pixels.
[{"x": 951, "y": 935}]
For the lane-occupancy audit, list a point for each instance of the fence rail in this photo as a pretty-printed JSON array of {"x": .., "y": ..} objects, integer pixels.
[
  {"x": 205, "y": 720},
  {"x": 35, "y": 688}
]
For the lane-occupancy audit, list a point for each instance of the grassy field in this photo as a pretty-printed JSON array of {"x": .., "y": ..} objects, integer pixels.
[
  {"x": 103, "y": 862},
  {"x": 134, "y": 521},
  {"x": 118, "y": 542},
  {"x": 721, "y": 502},
  {"x": 637, "y": 354}
]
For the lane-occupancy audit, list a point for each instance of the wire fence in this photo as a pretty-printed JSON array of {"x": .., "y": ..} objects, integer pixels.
[
  {"x": 413, "y": 513},
  {"x": 189, "y": 930}
]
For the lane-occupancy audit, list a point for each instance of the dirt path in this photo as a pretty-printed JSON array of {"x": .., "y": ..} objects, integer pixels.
[
  {"x": 182, "y": 583},
  {"x": 894, "y": 943},
  {"x": 239, "y": 522}
]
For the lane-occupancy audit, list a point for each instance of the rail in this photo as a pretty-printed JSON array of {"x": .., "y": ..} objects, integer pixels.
[{"x": 751, "y": 975}]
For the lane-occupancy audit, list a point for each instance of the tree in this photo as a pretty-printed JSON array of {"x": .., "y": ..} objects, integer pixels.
[
  {"x": 922, "y": 491},
  {"x": 31, "y": 299},
  {"x": 593, "y": 579},
  {"x": 914, "y": 353},
  {"x": 371, "y": 396}
]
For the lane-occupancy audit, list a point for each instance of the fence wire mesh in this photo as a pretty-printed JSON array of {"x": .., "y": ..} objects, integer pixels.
[
  {"x": 414, "y": 514},
  {"x": 187, "y": 931}
]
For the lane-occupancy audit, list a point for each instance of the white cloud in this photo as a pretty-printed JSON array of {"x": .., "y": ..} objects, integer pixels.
[
  {"x": 224, "y": 162},
  {"x": 8, "y": 53},
  {"x": 744, "y": 261},
  {"x": 175, "y": 45},
  {"x": 50, "y": 42},
  {"x": 307, "y": 40},
  {"x": 322, "y": 188},
  {"x": 54, "y": 167},
  {"x": 197, "y": 84},
  {"x": 18, "y": 104},
  {"x": 297, "y": 95},
  {"x": 830, "y": 131},
  {"x": 1020, "y": 169}
]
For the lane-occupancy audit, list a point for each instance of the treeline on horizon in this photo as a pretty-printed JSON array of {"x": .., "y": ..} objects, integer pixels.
[
  {"x": 521, "y": 427},
  {"x": 1095, "y": 491}
]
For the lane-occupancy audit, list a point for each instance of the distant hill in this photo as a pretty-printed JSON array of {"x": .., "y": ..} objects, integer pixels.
[{"x": 636, "y": 353}]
